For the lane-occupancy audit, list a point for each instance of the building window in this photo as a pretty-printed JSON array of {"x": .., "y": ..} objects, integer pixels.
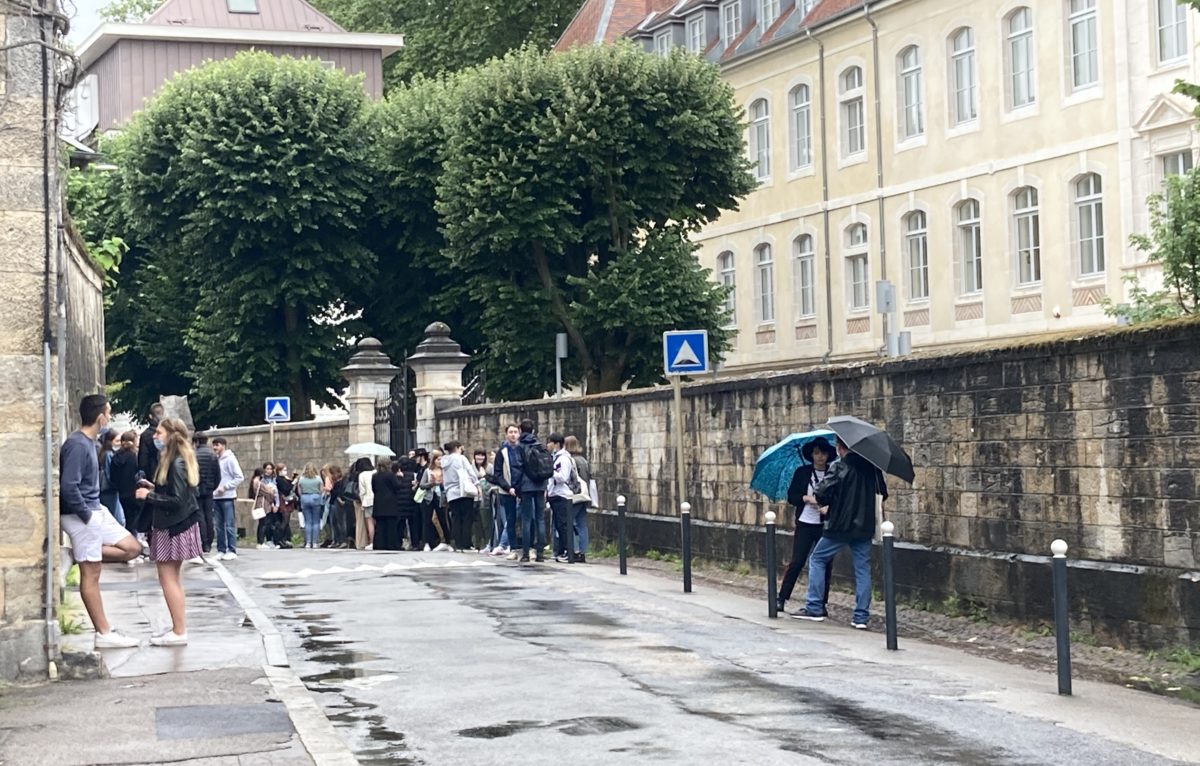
[
  {"x": 916, "y": 248},
  {"x": 728, "y": 273},
  {"x": 764, "y": 279},
  {"x": 1176, "y": 163},
  {"x": 731, "y": 22},
  {"x": 662, "y": 43},
  {"x": 858, "y": 277},
  {"x": 1028, "y": 236},
  {"x": 801, "y": 127},
  {"x": 962, "y": 46},
  {"x": 1021, "y": 74},
  {"x": 696, "y": 41},
  {"x": 912, "y": 121},
  {"x": 1089, "y": 216},
  {"x": 760, "y": 138},
  {"x": 1085, "y": 67},
  {"x": 805, "y": 276},
  {"x": 769, "y": 11},
  {"x": 1172, "y": 30},
  {"x": 854, "y": 135},
  {"x": 805, "y": 7},
  {"x": 970, "y": 247},
  {"x": 242, "y": 6}
]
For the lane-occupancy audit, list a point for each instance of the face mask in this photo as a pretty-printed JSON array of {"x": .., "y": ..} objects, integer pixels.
[{"x": 158, "y": 444}]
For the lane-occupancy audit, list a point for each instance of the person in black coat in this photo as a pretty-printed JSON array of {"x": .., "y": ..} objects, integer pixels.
[
  {"x": 818, "y": 454},
  {"x": 124, "y": 477},
  {"x": 386, "y": 487},
  {"x": 210, "y": 478},
  {"x": 410, "y": 512}
]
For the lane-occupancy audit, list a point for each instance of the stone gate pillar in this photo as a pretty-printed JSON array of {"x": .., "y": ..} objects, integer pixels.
[
  {"x": 438, "y": 363},
  {"x": 370, "y": 373}
]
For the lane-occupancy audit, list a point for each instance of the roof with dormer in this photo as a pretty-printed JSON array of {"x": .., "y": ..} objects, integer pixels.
[{"x": 282, "y": 15}]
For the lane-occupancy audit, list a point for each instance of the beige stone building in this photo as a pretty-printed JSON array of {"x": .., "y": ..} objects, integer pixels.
[{"x": 990, "y": 159}]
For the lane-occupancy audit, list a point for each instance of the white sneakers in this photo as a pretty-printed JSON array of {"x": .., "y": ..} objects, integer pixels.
[
  {"x": 444, "y": 547},
  {"x": 427, "y": 548},
  {"x": 170, "y": 638},
  {"x": 114, "y": 639},
  {"x": 226, "y": 556},
  {"x": 500, "y": 550}
]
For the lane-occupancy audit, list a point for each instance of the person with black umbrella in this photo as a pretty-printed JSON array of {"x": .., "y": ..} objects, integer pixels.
[{"x": 849, "y": 491}]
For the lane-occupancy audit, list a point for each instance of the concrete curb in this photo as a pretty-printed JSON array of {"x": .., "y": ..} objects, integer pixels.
[{"x": 323, "y": 743}]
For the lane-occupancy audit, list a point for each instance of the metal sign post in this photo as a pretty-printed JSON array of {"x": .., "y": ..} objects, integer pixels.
[{"x": 560, "y": 353}]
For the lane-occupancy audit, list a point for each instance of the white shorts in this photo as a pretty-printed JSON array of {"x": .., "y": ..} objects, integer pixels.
[{"x": 88, "y": 539}]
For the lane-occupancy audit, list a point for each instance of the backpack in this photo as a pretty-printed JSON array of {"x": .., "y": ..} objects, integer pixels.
[
  {"x": 538, "y": 463},
  {"x": 350, "y": 489}
]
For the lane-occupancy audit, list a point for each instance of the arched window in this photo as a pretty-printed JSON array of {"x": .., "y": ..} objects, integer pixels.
[
  {"x": 970, "y": 247},
  {"x": 1081, "y": 24},
  {"x": 916, "y": 249},
  {"x": 728, "y": 275},
  {"x": 760, "y": 138},
  {"x": 1021, "y": 58},
  {"x": 800, "y": 126},
  {"x": 912, "y": 119},
  {"x": 764, "y": 283},
  {"x": 1089, "y": 220},
  {"x": 1027, "y": 236},
  {"x": 805, "y": 273},
  {"x": 858, "y": 275},
  {"x": 962, "y": 75},
  {"x": 850, "y": 96}
]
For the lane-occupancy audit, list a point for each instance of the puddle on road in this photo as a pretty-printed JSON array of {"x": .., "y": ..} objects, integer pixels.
[
  {"x": 337, "y": 656},
  {"x": 572, "y": 727}
]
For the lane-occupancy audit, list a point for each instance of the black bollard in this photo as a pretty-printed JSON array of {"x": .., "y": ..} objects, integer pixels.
[
  {"x": 685, "y": 523},
  {"x": 889, "y": 583},
  {"x": 772, "y": 593},
  {"x": 1062, "y": 623},
  {"x": 621, "y": 532}
]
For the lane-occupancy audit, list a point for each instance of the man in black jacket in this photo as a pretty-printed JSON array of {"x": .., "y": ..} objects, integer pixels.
[
  {"x": 849, "y": 492},
  {"x": 210, "y": 478}
]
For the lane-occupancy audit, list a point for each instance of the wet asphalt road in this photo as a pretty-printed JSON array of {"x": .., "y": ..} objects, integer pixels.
[{"x": 428, "y": 658}]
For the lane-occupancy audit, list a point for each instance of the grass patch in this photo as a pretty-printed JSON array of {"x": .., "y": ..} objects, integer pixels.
[
  {"x": 73, "y": 576},
  {"x": 1084, "y": 639},
  {"x": 1185, "y": 656},
  {"x": 68, "y": 625},
  {"x": 606, "y": 551}
]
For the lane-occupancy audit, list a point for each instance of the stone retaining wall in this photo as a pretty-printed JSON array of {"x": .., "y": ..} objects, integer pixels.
[
  {"x": 1094, "y": 439},
  {"x": 317, "y": 442}
]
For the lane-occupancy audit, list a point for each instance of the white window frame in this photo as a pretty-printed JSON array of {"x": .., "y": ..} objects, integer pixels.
[
  {"x": 768, "y": 12},
  {"x": 1020, "y": 58},
  {"x": 697, "y": 41},
  {"x": 1170, "y": 21},
  {"x": 727, "y": 272},
  {"x": 911, "y": 91},
  {"x": 242, "y": 6},
  {"x": 1027, "y": 236},
  {"x": 858, "y": 268},
  {"x": 853, "y": 112},
  {"x": 800, "y": 126},
  {"x": 760, "y": 138},
  {"x": 1083, "y": 43},
  {"x": 662, "y": 42},
  {"x": 764, "y": 284},
  {"x": 916, "y": 253},
  {"x": 964, "y": 78},
  {"x": 804, "y": 261},
  {"x": 731, "y": 22},
  {"x": 1089, "y": 224},
  {"x": 969, "y": 236},
  {"x": 1175, "y": 164}
]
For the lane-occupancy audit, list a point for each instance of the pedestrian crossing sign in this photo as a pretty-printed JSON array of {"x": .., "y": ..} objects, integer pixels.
[
  {"x": 279, "y": 409},
  {"x": 685, "y": 352}
]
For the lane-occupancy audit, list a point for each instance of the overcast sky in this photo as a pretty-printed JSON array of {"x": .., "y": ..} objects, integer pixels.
[{"x": 86, "y": 17}]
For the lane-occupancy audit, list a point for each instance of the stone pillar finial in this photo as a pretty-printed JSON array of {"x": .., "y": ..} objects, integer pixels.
[
  {"x": 370, "y": 374},
  {"x": 438, "y": 365}
]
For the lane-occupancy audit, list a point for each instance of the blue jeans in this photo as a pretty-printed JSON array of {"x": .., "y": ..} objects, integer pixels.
[
  {"x": 508, "y": 510},
  {"x": 581, "y": 533},
  {"x": 818, "y": 564},
  {"x": 226, "y": 524},
  {"x": 533, "y": 522},
  {"x": 310, "y": 506}
]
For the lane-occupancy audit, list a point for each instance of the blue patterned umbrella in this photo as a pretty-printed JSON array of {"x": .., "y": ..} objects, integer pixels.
[{"x": 774, "y": 470}]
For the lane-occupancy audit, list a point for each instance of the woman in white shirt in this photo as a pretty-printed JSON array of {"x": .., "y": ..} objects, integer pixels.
[
  {"x": 367, "y": 498},
  {"x": 461, "y": 482},
  {"x": 818, "y": 453}
]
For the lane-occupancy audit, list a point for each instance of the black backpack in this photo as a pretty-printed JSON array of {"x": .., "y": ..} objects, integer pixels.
[
  {"x": 350, "y": 489},
  {"x": 538, "y": 462}
]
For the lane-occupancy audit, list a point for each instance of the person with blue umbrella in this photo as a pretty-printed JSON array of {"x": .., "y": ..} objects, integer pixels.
[{"x": 817, "y": 454}]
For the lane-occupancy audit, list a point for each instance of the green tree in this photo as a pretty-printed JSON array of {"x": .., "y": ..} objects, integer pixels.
[
  {"x": 128, "y": 11},
  {"x": 446, "y": 37},
  {"x": 577, "y": 178},
  {"x": 248, "y": 181},
  {"x": 1174, "y": 238}
]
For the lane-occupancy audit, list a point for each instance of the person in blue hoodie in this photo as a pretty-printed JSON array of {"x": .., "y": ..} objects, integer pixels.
[
  {"x": 531, "y": 495},
  {"x": 506, "y": 476}
]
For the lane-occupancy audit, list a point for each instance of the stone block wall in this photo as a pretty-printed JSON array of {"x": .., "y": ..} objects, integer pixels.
[
  {"x": 316, "y": 442},
  {"x": 1094, "y": 439}
]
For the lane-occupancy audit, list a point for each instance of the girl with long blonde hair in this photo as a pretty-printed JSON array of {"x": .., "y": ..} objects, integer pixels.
[{"x": 175, "y": 519}]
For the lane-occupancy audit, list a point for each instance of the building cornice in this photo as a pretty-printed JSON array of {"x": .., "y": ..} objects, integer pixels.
[{"x": 107, "y": 35}]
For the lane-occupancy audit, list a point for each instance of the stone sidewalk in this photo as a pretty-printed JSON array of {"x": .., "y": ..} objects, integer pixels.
[{"x": 225, "y": 699}]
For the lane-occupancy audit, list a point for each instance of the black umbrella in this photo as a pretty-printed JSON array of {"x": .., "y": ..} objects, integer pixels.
[{"x": 874, "y": 445}]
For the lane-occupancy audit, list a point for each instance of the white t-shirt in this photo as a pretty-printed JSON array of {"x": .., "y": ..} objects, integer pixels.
[
  {"x": 364, "y": 488},
  {"x": 810, "y": 514}
]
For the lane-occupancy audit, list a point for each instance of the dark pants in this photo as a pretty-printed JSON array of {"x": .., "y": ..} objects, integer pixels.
[
  {"x": 272, "y": 528},
  {"x": 429, "y": 533},
  {"x": 337, "y": 523},
  {"x": 412, "y": 523},
  {"x": 462, "y": 515},
  {"x": 508, "y": 507},
  {"x": 387, "y": 533},
  {"x": 206, "y": 522},
  {"x": 564, "y": 512},
  {"x": 351, "y": 524},
  {"x": 133, "y": 513},
  {"x": 533, "y": 523},
  {"x": 803, "y": 542}
]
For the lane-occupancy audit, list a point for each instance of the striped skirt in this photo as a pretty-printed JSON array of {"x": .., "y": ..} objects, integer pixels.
[{"x": 181, "y": 547}]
